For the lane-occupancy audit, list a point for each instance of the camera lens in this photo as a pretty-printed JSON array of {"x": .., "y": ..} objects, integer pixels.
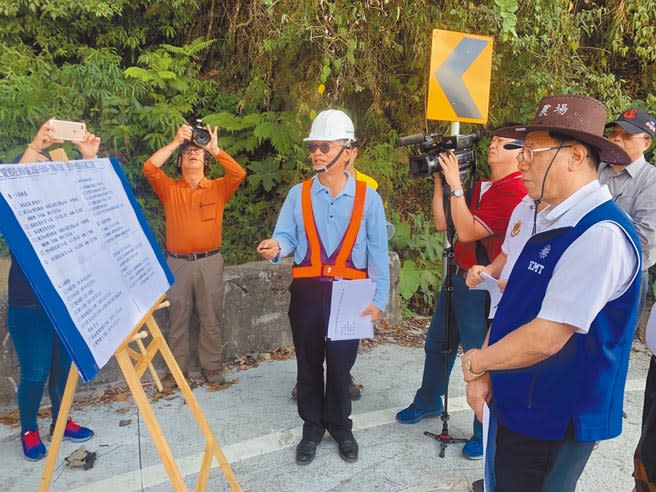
[{"x": 200, "y": 136}]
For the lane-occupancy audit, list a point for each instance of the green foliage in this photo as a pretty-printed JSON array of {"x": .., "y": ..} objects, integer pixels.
[
  {"x": 507, "y": 9},
  {"x": 262, "y": 69},
  {"x": 421, "y": 248}
]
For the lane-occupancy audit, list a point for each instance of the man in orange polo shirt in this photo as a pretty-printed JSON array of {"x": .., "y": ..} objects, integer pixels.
[{"x": 193, "y": 206}]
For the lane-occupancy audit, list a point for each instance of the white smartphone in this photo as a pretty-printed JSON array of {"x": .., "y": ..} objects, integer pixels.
[{"x": 68, "y": 130}]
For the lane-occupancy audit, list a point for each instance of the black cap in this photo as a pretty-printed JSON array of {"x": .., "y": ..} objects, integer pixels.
[
  {"x": 635, "y": 120},
  {"x": 515, "y": 144}
]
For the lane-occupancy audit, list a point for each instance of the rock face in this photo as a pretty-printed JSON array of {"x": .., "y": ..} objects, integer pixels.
[{"x": 255, "y": 320}]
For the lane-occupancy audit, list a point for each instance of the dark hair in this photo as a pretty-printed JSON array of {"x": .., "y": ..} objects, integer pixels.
[
  {"x": 506, "y": 125},
  {"x": 181, "y": 149},
  {"x": 593, "y": 153}
]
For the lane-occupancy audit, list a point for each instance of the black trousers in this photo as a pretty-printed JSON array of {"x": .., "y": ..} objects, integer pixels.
[
  {"x": 525, "y": 464},
  {"x": 322, "y": 406},
  {"x": 644, "y": 470}
]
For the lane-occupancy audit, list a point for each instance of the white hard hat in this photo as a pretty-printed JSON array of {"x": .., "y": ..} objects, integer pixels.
[{"x": 330, "y": 125}]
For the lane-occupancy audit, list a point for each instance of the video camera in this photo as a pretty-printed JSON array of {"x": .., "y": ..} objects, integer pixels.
[
  {"x": 432, "y": 145},
  {"x": 200, "y": 136}
]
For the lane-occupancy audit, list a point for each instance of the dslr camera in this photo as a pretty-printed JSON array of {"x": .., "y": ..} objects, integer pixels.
[
  {"x": 200, "y": 135},
  {"x": 430, "y": 146}
]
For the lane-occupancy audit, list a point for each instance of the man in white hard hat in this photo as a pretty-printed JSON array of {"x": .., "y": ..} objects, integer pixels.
[{"x": 335, "y": 226}]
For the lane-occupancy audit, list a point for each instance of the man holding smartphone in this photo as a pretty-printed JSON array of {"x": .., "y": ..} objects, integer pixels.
[{"x": 193, "y": 206}]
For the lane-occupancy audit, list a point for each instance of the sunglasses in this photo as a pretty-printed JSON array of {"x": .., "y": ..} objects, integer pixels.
[{"x": 323, "y": 147}]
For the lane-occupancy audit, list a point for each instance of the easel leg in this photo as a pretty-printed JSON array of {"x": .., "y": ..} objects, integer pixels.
[
  {"x": 155, "y": 430},
  {"x": 212, "y": 444},
  {"x": 204, "y": 474},
  {"x": 60, "y": 425}
]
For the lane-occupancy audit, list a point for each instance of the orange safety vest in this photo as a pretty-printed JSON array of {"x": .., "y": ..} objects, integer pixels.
[{"x": 336, "y": 266}]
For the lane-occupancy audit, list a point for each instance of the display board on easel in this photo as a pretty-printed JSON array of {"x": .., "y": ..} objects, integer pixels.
[{"x": 81, "y": 239}]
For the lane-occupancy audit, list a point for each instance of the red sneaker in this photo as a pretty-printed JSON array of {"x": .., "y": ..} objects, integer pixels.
[
  {"x": 33, "y": 448},
  {"x": 73, "y": 432}
]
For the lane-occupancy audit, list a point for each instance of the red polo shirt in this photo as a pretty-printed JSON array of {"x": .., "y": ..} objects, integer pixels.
[{"x": 492, "y": 211}]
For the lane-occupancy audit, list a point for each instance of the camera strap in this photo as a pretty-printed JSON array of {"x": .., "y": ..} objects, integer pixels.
[{"x": 331, "y": 163}]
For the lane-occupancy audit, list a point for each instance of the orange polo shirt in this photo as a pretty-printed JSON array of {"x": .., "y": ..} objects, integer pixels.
[{"x": 194, "y": 218}]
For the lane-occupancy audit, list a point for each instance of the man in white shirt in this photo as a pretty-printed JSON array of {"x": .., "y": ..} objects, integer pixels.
[{"x": 556, "y": 357}]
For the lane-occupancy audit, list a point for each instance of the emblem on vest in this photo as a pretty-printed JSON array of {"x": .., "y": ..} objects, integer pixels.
[
  {"x": 516, "y": 228},
  {"x": 536, "y": 267}
]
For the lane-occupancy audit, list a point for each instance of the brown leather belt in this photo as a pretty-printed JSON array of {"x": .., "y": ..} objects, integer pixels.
[{"x": 193, "y": 256}]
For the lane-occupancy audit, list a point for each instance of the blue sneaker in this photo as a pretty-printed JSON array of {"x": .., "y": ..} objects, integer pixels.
[
  {"x": 473, "y": 449},
  {"x": 414, "y": 414},
  {"x": 33, "y": 448},
  {"x": 73, "y": 432}
]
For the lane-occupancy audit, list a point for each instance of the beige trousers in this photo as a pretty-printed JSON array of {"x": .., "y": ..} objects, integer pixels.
[{"x": 198, "y": 282}]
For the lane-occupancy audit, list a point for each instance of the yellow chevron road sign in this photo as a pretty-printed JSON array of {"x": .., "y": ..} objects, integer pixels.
[{"x": 459, "y": 83}]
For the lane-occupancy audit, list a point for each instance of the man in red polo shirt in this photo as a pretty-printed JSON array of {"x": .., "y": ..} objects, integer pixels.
[
  {"x": 480, "y": 227},
  {"x": 193, "y": 206}
]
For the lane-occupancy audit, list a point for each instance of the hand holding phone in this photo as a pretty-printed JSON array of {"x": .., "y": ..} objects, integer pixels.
[{"x": 68, "y": 130}]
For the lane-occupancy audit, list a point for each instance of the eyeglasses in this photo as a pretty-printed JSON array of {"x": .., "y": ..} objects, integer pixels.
[
  {"x": 626, "y": 135},
  {"x": 192, "y": 148},
  {"x": 323, "y": 147},
  {"x": 527, "y": 154}
]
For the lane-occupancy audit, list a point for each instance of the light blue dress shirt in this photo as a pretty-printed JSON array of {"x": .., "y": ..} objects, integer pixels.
[{"x": 332, "y": 217}]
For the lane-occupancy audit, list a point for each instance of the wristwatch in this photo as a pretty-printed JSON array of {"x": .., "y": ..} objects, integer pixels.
[{"x": 457, "y": 192}]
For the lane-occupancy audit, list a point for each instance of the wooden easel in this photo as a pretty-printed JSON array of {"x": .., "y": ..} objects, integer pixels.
[{"x": 132, "y": 372}]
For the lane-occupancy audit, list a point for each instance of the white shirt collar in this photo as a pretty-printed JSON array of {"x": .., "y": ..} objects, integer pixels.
[{"x": 573, "y": 208}]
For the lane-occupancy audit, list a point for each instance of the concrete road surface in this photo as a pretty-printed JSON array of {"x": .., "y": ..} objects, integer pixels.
[{"x": 258, "y": 427}]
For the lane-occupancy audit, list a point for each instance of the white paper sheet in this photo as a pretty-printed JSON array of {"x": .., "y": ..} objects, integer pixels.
[
  {"x": 650, "y": 334},
  {"x": 490, "y": 284},
  {"x": 486, "y": 430},
  {"x": 349, "y": 299}
]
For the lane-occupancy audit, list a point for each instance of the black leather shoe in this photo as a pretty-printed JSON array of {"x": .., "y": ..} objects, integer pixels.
[
  {"x": 478, "y": 486},
  {"x": 305, "y": 452},
  {"x": 354, "y": 390},
  {"x": 348, "y": 450}
]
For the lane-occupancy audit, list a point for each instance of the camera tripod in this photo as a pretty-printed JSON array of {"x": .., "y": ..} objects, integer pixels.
[{"x": 444, "y": 437}]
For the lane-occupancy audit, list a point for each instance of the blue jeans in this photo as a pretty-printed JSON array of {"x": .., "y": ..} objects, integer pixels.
[
  {"x": 41, "y": 357},
  {"x": 468, "y": 327}
]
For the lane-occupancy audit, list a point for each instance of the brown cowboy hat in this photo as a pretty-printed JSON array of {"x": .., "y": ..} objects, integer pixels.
[{"x": 580, "y": 117}]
